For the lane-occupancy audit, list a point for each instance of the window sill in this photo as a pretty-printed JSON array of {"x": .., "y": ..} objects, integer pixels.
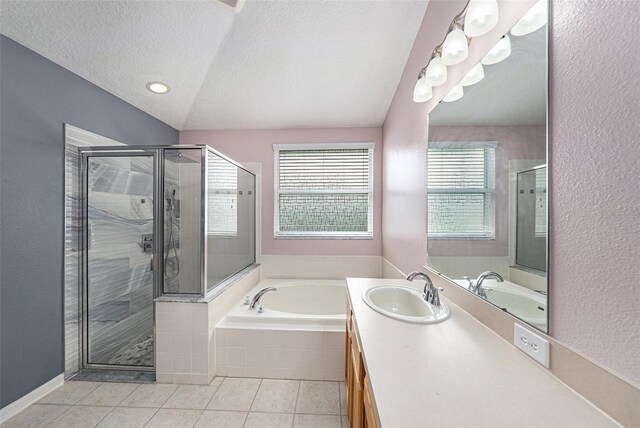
[
  {"x": 460, "y": 238},
  {"x": 325, "y": 236}
]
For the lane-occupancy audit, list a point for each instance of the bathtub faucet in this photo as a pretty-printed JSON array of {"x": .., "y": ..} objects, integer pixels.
[
  {"x": 259, "y": 294},
  {"x": 477, "y": 288}
]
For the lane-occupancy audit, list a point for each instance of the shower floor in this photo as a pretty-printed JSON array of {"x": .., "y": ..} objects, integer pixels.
[{"x": 141, "y": 354}]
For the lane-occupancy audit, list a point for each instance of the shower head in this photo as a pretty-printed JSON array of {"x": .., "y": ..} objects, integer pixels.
[{"x": 178, "y": 158}]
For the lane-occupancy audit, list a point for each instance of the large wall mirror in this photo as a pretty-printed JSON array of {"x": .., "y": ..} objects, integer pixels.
[{"x": 487, "y": 180}]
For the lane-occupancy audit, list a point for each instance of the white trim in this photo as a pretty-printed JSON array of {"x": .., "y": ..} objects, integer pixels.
[
  {"x": 12, "y": 409},
  {"x": 462, "y": 144},
  {"x": 323, "y": 146}
]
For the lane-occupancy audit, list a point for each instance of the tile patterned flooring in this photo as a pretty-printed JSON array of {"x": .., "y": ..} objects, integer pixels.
[{"x": 226, "y": 402}]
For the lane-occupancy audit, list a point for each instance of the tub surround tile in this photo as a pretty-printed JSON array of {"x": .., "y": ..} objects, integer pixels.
[
  {"x": 235, "y": 394},
  {"x": 109, "y": 394},
  {"x": 333, "y": 359},
  {"x": 334, "y": 375},
  {"x": 149, "y": 395},
  {"x": 70, "y": 393},
  {"x": 271, "y": 420},
  {"x": 334, "y": 341},
  {"x": 221, "y": 419},
  {"x": 316, "y": 421},
  {"x": 319, "y": 398},
  {"x": 174, "y": 418},
  {"x": 81, "y": 417},
  {"x": 294, "y": 339},
  {"x": 311, "y": 355},
  {"x": 130, "y": 417},
  {"x": 36, "y": 415},
  {"x": 276, "y": 396}
]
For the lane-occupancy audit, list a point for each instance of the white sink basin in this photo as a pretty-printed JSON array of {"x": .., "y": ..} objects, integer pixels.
[{"x": 404, "y": 304}]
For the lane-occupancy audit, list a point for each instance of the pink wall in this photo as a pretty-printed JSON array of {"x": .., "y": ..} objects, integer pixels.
[
  {"x": 514, "y": 142},
  {"x": 257, "y": 146},
  {"x": 595, "y": 170}
]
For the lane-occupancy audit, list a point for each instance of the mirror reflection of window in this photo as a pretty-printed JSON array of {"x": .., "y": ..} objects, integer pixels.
[{"x": 461, "y": 190}]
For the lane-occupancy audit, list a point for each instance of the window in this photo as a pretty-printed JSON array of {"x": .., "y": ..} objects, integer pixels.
[
  {"x": 222, "y": 193},
  {"x": 461, "y": 188},
  {"x": 324, "y": 191}
]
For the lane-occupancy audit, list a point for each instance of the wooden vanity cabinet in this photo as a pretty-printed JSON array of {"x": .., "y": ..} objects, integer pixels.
[{"x": 360, "y": 409}]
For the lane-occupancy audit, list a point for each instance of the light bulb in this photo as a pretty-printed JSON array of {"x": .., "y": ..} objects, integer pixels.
[
  {"x": 481, "y": 17},
  {"x": 422, "y": 92},
  {"x": 456, "y": 93},
  {"x": 475, "y": 75},
  {"x": 533, "y": 20},
  {"x": 455, "y": 48},
  {"x": 436, "y": 73},
  {"x": 499, "y": 52},
  {"x": 158, "y": 87}
]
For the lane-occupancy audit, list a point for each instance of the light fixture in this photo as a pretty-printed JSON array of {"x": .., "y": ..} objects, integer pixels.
[
  {"x": 158, "y": 87},
  {"x": 481, "y": 16},
  {"x": 499, "y": 52},
  {"x": 436, "y": 72},
  {"x": 533, "y": 20},
  {"x": 455, "y": 48},
  {"x": 422, "y": 92},
  {"x": 474, "y": 75},
  {"x": 456, "y": 93}
]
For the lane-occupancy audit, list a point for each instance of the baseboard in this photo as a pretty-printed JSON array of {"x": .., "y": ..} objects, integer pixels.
[{"x": 20, "y": 404}]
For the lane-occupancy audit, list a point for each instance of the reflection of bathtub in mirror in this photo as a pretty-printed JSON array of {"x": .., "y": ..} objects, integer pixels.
[{"x": 522, "y": 302}]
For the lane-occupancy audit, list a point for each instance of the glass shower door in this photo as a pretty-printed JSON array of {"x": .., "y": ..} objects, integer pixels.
[{"x": 119, "y": 265}]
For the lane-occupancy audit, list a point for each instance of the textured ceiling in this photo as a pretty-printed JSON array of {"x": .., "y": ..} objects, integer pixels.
[
  {"x": 513, "y": 92},
  {"x": 276, "y": 64}
]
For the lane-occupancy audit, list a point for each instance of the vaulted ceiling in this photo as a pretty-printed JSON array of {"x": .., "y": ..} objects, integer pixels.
[{"x": 274, "y": 64}]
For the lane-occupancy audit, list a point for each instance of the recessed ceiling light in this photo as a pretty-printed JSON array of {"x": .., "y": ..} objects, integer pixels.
[{"x": 158, "y": 87}]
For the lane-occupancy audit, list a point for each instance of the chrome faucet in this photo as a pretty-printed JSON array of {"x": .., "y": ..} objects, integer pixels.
[
  {"x": 477, "y": 287},
  {"x": 259, "y": 294},
  {"x": 430, "y": 291}
]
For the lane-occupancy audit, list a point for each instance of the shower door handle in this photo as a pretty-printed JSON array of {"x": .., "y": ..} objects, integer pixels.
[{"x": 152, "y": 263}]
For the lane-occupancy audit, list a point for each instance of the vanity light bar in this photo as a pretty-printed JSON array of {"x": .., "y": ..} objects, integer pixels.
[{"x": 477, "y": 18}]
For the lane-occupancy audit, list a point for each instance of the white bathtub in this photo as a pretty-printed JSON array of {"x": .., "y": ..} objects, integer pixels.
[
  {"x": 304, "y": 304},
  {"x": 300, "y": 334}
]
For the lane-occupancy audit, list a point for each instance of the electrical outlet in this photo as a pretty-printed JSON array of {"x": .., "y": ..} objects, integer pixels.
[{"x": 532, "y": 344}]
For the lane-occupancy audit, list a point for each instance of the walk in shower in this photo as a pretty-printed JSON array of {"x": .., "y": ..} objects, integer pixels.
[{"x": 172, "y": 221}]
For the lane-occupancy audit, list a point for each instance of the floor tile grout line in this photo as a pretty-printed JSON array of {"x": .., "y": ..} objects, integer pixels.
[
  {"x": 206, "y": 407},
  {"x": 154, "y": 413},
  {"x": 255, "y": 395},
  {"x": 295, "y": 406}
]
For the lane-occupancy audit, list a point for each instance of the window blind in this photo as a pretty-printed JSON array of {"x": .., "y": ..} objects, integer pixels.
[
  {"x": 222, "y": 193},
  {"x": 324, "y": 191},
  {"x": 460, "y": 192}
]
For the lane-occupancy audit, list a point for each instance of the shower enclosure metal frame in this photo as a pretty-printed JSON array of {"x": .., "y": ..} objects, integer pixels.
[{"x": 157, "y": 261}]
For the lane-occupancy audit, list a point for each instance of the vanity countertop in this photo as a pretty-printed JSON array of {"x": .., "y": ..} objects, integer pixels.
[{"x": 457, "y": 373}]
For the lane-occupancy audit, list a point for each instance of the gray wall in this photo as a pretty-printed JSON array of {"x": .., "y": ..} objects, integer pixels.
[{"x": 36, "y": 98}]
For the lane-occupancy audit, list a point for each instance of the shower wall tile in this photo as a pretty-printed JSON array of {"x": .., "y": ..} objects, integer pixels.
[{"x": 183, "y": 343}]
